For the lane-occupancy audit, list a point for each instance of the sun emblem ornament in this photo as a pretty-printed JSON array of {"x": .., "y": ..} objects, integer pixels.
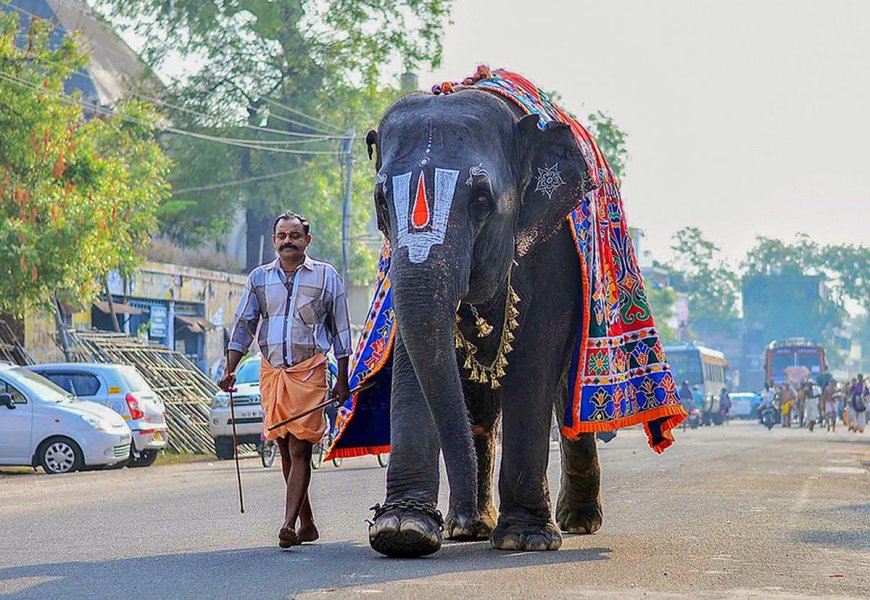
[{"x": 549, "y": 180}]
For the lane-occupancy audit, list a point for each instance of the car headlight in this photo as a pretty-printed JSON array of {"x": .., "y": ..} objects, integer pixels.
[
  {"x": 96, "y": 422},
  {"x": 220, "y": 401}
]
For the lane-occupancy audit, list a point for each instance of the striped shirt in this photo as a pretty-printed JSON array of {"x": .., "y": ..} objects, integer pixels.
[{"x": 298, "y": 317}]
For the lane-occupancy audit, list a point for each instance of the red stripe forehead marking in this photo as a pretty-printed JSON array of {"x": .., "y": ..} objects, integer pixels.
[{"x": 420, "y": 215}]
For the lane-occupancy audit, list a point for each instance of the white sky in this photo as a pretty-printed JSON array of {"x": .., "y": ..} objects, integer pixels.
[{"x": 744, "y": 117}]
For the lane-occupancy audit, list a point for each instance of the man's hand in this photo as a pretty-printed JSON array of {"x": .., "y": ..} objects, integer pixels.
[
  {"x": 341, "y": 390},
  {"x": 228, "y": 382}
]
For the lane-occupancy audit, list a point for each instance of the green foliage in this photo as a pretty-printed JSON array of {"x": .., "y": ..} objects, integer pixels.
[
  {"x": 661, "y": 302},
  {"x": 612, "y": 141},
  {"x": 699, "y": 270},
  {"x": 78, "y": 197},
  {"x": 267, "y": 64}
]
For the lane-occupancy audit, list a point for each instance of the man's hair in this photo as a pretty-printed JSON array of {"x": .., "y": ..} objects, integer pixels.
[{"x": 288, "y": 216}]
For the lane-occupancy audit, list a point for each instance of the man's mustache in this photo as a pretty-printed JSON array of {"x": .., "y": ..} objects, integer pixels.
[{"x": 285, "y": 246}]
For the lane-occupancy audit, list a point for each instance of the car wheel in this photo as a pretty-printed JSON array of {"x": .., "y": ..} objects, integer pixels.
[
  {"x": 60, "y": 455},
  {"x": 223, "y": 448},
  {"x": 146, "y": 459}
]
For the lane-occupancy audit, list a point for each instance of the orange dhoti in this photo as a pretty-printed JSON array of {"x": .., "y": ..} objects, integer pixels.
[{"x": 289, "y": 391}]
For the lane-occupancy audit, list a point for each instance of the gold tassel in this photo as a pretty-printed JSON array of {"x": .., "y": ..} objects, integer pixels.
[
  {"x": 494, "y": 384},
  {"x": 467, "y": 364},
  {"x": 483, "y": 378},
  {"x": 508, "y": 336},
  {"x": 508, "y": 348},
  {"x": 474, "y": 376},
  {"x": 499, "y": 372},
  {"x": 512, "y": 324},
  {"x": 513, "y": 313}
]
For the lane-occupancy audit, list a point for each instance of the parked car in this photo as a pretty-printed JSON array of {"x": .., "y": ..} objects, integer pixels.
[
  {"x": 122, "y": 389},
  {"x": 249, "y": 411},
  {"x": 744, "y": 405},
  {"x": 43, "y": 425}
]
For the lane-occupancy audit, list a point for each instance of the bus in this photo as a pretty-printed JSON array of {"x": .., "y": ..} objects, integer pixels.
[
  {"x": 703, "y": 368},
  {"x": 794, "y": 352}
]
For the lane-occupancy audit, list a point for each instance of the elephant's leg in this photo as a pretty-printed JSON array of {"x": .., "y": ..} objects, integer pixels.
[
  {"x": 525, "y": 516},
  {"x": 578, "y": 509},
  {"x": 407, "y": 524},
  {"x": 484, "y": 412}
]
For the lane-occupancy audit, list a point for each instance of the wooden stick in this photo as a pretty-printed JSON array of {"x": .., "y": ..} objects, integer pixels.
[
  {"x": 331, "y": 400},
  {"x": 236, "y": 452}
]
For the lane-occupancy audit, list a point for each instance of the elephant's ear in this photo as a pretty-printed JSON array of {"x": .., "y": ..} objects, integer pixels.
[{"x": 554, "y": 179}]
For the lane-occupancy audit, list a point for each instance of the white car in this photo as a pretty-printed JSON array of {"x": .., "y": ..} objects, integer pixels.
[
  {"x": 43, "y": 425},
  {"x": 123, "y": 389},
  {"x": 249, "y": 411}
]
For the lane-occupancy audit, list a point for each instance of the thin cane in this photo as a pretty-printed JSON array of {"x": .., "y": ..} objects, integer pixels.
[{"x": 236, "y": 452}]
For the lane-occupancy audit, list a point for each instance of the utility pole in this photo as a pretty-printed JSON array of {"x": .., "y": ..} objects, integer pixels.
[{"x": 347, "y": 149}]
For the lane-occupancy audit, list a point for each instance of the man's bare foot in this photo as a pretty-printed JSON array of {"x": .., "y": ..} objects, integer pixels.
[
  {"x": 307, "y": 533},
  {"x": 287, "y": 537}
]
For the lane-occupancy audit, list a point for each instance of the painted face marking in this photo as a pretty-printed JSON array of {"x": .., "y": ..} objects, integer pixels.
[
  {"x": 477, "y": 171},
  {"x": 420, "y": 215},
  {"x": 381, "y": 180},
  {"x": 549, "y": 180},
  {"x": 419, "y": 241}
]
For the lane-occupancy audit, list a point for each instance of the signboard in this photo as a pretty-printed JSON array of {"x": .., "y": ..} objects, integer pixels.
[{"x": 159, "y": 319}]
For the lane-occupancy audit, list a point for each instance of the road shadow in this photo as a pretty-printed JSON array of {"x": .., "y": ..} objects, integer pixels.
[
  {"x": 279, "y": 574},
  {"x": 846, "y": 540}
]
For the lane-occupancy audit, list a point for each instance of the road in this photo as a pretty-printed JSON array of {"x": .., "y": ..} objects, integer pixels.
[{"x": 728, "y": 512}]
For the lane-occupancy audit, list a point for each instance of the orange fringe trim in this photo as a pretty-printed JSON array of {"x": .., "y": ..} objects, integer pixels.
[
  {"x": 355, "y": 452},
  {"x": 672, "y": 415}
]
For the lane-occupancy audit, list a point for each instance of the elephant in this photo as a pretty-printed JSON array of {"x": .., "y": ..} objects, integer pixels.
[{"x": 484, "y": 245}]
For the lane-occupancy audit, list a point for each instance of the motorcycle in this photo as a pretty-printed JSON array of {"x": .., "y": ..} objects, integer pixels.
[
  {"x": 693, "y": 420},
  {"x": 768, "y": 417}
]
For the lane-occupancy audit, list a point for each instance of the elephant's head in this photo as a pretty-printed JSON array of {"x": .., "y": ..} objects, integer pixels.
[{"x": 464, "y": 184}]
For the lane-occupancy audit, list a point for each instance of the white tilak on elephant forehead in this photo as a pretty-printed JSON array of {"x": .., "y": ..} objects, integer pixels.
[{"x": 418, "y": 235}]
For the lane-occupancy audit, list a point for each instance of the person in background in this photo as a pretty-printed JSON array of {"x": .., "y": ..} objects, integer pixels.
[
  {"x": 811, "y": 404},
  {"x": 858, "y": 405},
  {"x": 829, "y": 405},
  {"x": 786, "y": 403},
  {"x": 724, "y": 404}
]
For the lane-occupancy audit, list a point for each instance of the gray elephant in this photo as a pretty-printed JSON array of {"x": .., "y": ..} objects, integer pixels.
[{"x": 473, "y": 196}]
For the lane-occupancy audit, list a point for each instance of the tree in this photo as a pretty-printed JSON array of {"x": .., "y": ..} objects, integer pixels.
[
  {"x": 78, "y": 197},
  {"x": 284, "y": 81},
  {"x": 699, "y": 270},
  {"x": 612, "y": 141},
  {"x": 661, "y": 303}
]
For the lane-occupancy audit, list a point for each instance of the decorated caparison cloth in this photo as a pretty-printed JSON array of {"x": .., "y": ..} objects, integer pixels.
[{"x": 619, "y": 375}]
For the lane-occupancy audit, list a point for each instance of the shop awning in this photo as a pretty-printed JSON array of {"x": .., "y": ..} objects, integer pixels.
[
  {"x": 120, "y": 309},
  {"x": 194, "y": 324}
]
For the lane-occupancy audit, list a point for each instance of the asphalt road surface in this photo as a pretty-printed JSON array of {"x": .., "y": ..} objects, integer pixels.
[{"x": 727, "y": 512}]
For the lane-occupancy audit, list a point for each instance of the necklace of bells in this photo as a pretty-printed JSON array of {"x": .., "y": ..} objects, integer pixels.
[{"x": 490, "y": 373}]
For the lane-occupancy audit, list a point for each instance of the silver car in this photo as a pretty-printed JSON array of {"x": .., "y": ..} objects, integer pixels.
[
  {"x": 249, "y": 411},
  {"x": 41, "y": 424},
  {"x": 123, "y": 389}
]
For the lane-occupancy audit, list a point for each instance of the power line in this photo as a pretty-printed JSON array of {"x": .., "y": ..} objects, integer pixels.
[
  {"x": 300, "y": 113},
  {"x": 237, "y": 142},
  {"x": 226, "y": 184},
  {"x": 336, "y": 131}
]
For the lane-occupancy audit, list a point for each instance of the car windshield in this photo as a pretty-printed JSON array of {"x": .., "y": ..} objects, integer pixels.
[
  {"x": 134, "y": 380},
  {"x": 249, "y": 372},
  {"x": 39, "y": 386}
]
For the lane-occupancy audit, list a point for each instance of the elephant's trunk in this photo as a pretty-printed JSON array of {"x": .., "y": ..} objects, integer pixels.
[{"x": 425, "y": 300}]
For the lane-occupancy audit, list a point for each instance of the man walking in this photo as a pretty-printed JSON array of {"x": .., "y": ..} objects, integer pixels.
[{"x": 300, "y": 307}]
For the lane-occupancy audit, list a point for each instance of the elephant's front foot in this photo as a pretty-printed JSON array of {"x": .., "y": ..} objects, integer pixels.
[
  {"x": 406, "y": 528},
  {"x": 579, "y": 517},
  {"x": 467, "y": 529},
  {"x": 523, "y": 536}
]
